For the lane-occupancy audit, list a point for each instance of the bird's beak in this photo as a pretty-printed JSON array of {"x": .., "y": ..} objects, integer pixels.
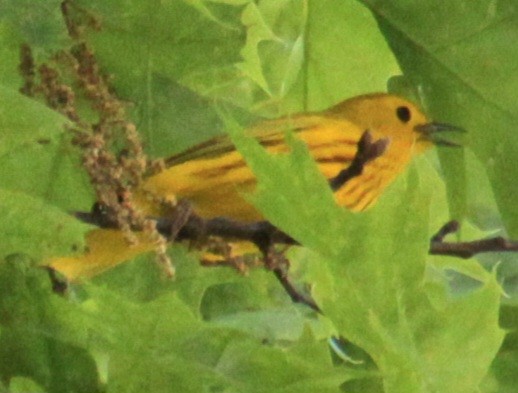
[{"x": 435, "y": 133}]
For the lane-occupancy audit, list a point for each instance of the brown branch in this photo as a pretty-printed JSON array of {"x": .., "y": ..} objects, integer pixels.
[
  {"x": 185, "y": 224},
  {"x": 467, "y": 249},
  {"x": 261, "y": 233}
]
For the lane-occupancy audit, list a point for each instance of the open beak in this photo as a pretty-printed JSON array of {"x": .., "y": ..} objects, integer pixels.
[{"x": 434, "y": 132}]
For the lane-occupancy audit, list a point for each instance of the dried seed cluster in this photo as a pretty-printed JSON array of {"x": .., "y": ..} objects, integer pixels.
[{"x": 111, "y": 148}]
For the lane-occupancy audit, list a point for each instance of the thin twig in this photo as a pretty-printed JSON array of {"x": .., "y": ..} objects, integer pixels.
[
  {"x": 467, "y": 249},
  {"x": 294, "y": 294}
]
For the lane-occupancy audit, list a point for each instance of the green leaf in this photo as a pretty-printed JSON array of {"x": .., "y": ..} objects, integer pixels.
[
  {"x": 39, "y": 171},
  {"x": 269, "y": 58},
  {"x": 465, "y": 74},
  {"x": 35, "y": 228},
  {"x": 21, "y": 385},
  {"x": 503, "y": 376},
  {"x": 374, "y": 290},
  {"x": 36, "y": 157},
  {"x": 168, "y": 344},
  {"x": 31, "y": 322},
  {"x": 40, "y": 25},
  {"x": 164, "y": 45}
]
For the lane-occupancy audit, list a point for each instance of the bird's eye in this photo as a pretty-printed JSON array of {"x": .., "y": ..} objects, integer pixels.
[{"x": 403, "y": 114}]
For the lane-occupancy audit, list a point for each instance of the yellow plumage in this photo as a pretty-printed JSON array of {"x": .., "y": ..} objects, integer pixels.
[
  {"x": 213, "y": 176},
  {"x": 214, "y": 182}
]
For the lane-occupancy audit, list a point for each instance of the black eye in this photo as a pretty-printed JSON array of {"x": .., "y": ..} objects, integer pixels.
[{"x": 403, "y": 114}]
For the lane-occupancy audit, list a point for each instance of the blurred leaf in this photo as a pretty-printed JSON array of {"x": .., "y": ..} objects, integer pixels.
[
  {"x": 28, "y": 344},
  {"x": 465, "y": 73},
  {"x": 163, "y": 44},
  {"x": 38, "y": 171},
  {"x": 169, "y": 345},
  {"x": 375, "y": 292},
  {"x": 504, "y": 371},
  {"x": 270, "y": 58},
  {"x": 36, "y": 157},
  {"x": 74, "y": 345},
  {"x": 345, "y": 54},
  {"x": 40, "y": 24},
  {"x": 24, "y": 385},
  {"x": 36, "y": 228}
]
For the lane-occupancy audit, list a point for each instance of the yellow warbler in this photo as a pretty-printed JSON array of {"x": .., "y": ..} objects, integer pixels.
[{"x": 213, "y": 176}]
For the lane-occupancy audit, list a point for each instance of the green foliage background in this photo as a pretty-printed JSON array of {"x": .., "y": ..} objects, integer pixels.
[{"x": 419, "y": 323}]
